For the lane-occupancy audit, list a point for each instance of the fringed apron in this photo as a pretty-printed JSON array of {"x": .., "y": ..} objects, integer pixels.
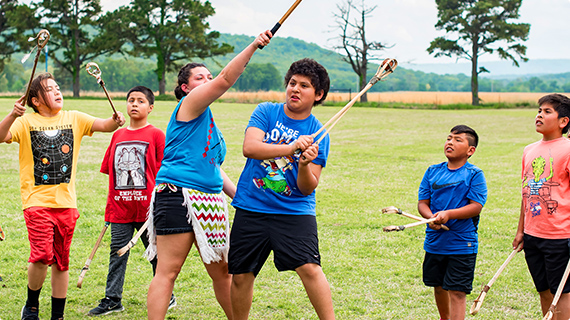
[{"x": 208, "y": 214}]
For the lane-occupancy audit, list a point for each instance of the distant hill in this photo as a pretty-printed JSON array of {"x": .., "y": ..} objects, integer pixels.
[
  {"x": 281, "y": 52},
  {"x": 534, "y": 76},
  {"x": 498, "y": 69}
]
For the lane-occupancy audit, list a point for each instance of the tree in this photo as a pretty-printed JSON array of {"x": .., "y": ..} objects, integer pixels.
[
  {"x": 258, "y": 76},
  {"x": 355, "y": 48},
  {"x": 17, "y": 22},
  {"x": 79, "y": 33},
  {"x": 171, "y": 31},
  {"x": 477, "y": 25}
]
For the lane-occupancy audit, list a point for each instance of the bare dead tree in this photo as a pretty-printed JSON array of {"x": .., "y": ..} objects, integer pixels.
[{"x": 355, "y": 48}]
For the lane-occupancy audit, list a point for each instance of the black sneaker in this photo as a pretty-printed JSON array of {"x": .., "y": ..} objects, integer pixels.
[
  {"x": 172, "y": 303},
  {"x": 106, "y": 306},
  {"x": 30, "y": 313}
]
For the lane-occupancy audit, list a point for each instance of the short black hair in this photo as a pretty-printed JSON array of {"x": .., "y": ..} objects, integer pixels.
[
  {"x": 144, "y": 90},
  {"x": 472, "y": 136},
  {"x": 314, "y": 71},
  {"x": 561, "y": 105}
]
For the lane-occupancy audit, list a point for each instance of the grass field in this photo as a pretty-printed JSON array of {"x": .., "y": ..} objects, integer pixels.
[{"x": 377, "y": 159}]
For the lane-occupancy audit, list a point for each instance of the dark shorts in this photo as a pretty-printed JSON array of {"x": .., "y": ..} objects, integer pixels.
[
  {"x": 293, "y": 239},
  {"x": 170, "y": 216},
  {"x": 451, "y": 272},
  {"x": 547, "y": 260}
]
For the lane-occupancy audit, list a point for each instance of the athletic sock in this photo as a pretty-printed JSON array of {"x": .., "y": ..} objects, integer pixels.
[
  {"x": 33, "y": 298},
  {"x": 57, "y": 307}
]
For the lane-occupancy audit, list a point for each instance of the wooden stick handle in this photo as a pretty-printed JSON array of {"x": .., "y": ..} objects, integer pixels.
[
  {"x": 477, "y": 303},
  {"x": 42, "y": 39},
  {"x": 134, "y": 240},
  {"x": 91, "y": 255},
  {"x": 410, "y": 225},
  {"x": 108, "y": 97},
  {"x": 409, "y": 215},
  {"x": 285, "y": 16}
]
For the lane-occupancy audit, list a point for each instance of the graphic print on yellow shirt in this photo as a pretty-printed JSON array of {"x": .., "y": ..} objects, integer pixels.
[{"x": 53, "y": 155}]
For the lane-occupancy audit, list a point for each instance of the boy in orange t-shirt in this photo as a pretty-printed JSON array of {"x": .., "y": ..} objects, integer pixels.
[{"x": 544, "y": 224}]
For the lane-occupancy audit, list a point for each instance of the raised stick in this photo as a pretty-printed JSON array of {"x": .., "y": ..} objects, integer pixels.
[
  {"x": 552, "y": 308},
  {"x": 93, "y": 69},
  {"x": 42, "y": 39},
  {"x": 399, "y": 211},
  {"x": 477, "y": 303},
  {"x": 88, "y": 262},
  {"x": 386, "y": 68},
  {"x": 285, "y": 16},
  {"x": 409, "y": 225},
  {"x": 134, "y": 240}
]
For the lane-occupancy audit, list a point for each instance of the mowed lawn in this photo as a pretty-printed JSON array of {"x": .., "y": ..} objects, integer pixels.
[{"x": 377, "y": 159}]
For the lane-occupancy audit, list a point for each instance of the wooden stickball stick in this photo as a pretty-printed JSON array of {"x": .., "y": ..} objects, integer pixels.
[{"x": 88, "y": 262}]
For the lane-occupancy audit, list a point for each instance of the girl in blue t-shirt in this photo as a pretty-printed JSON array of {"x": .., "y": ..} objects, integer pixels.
[{"x": 188, "y": 198}]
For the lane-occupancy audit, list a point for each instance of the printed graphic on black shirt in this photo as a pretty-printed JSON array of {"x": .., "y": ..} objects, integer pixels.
[
  {"x": 130, "y": 165},
  {"x": 53, "y": 156}
]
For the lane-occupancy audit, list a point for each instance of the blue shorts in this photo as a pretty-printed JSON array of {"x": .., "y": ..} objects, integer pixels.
[
  {"x": 451, "y": 272},
  {"x": 292, "y": 238},
  {"x": 170, "y": 216},
  {"x": 546, "y": 260}
]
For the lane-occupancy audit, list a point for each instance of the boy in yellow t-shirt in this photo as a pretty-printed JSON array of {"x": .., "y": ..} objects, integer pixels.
[{"x": 49, "y": 141}]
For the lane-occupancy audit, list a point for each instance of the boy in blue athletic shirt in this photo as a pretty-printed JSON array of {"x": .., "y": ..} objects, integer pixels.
[
  {"x": 454, "y": 192},
  {"x": 275, "y": 198}
]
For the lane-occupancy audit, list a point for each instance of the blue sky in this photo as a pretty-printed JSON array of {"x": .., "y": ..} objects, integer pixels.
[{"x": 406, "y": 24}]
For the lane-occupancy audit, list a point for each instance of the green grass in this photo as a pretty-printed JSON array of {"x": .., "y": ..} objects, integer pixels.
[{"x": 377, "y": 159}]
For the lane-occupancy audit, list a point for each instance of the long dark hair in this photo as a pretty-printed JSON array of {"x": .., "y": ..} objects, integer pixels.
[
  {"x": 183, "y": 76},
  {"x": 37, "y": 90}
]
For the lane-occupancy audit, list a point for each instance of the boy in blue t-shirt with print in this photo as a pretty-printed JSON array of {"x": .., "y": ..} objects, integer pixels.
[
  {"x": 275, "y": 198},
  {"x": 454, "y": 192}
]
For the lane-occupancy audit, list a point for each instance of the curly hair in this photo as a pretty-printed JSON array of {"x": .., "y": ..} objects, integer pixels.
[{"x": 314, "y": 71}]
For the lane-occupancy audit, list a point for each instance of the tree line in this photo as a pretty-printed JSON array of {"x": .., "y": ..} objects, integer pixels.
[{"x": 168, "y": 31}]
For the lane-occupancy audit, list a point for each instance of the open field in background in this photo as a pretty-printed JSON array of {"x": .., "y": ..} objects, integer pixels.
[
  {"x": 406, "y": 97},
  {"x": 377, "y": 159}
]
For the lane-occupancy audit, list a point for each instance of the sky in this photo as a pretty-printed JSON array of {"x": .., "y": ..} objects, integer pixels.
[{"x": 407, "y": 25}]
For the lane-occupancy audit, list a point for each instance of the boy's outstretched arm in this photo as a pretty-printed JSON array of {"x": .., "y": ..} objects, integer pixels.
[
  {"x": 469, "y": 211},
  {"x": 255, "y": 148},
  {"x": 520, "y": 229},
  {"x": 309, "y": 173},
  {"x": 7, "y": 122},
  {"x": 109, "y": 124}
]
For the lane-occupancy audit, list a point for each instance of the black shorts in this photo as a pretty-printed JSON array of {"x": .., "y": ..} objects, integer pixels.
[
  {"x": 293, "y": 239},
  {"x": 451, "y": 272},
  {"x": 170, "y": 216},
  {"x": 547, "y": 260}
]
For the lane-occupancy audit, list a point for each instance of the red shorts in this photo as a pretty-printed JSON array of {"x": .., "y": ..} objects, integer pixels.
[{"x": 50, "y": 231}]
